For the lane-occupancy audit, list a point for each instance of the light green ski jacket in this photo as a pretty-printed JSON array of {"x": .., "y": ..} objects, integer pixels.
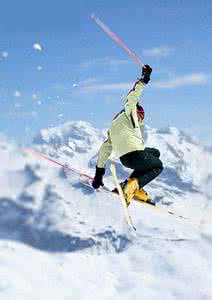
[{"x": 126, "y": 133}]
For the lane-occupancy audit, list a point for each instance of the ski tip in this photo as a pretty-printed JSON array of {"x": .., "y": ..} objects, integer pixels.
[{"x": 134, "y": 228}]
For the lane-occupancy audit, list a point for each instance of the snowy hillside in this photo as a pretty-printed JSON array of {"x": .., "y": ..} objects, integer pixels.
[{"x": 60, "y": 240}]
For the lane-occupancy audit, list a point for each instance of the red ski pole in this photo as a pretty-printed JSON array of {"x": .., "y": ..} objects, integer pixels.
[{"x": 115, "y": 38}]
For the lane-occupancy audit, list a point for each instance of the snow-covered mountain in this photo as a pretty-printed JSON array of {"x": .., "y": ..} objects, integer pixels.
[{"x": 60, "y": 240}]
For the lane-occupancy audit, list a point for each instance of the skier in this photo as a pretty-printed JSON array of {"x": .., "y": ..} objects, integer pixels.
[{"x": 126, "y": 139}]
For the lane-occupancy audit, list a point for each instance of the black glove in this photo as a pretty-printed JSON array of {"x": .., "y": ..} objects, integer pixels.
[
  {"x": 146, "y": 72},
  {"x": 97, "y": 181}
]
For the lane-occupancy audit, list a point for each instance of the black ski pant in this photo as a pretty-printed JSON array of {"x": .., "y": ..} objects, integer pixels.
[{"x": 146, "y": 164}]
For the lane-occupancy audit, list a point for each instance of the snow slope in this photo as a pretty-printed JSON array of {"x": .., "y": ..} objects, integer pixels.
[{"x": 60, "y": 240}]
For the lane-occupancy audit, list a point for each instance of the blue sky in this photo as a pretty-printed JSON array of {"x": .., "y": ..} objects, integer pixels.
[{"x": 81, "y": 74}]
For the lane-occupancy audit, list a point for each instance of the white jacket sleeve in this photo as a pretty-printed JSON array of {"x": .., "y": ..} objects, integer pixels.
[
  {"x": 130, "y": 105},
  {"x": 104, "y": 153},
  {"x": 133, "y": 98}
]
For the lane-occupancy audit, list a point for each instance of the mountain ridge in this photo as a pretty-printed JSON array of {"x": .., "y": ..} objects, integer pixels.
[{"x": 48, "y": 217}]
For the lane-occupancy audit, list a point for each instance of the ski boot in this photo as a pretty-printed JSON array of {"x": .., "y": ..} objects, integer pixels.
[
  {"x": 129, "y": 188},
  {"x": 142, "y": 196}
]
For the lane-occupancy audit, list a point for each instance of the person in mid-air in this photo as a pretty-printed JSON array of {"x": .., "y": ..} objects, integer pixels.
[{"x": 126, "y": 139}]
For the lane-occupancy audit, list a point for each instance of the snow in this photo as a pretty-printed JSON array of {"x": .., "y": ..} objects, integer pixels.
[
  {"x": 37, "y": 47},
  {"x": 17, "y": 94},
  {"x": 4, "y": 54},
  {"x": 60, "y": 240},
  {"x": 39, "y": 68}
]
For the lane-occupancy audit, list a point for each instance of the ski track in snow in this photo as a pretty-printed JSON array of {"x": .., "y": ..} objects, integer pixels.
[{"x": 60, "y": 240}]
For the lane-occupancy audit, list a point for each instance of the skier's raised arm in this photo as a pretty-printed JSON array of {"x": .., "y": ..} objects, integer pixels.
[{"x": 134, "y": 94}]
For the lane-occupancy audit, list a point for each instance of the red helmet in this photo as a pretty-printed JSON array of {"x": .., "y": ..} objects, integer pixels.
[{"x": 140, "y": 111}]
